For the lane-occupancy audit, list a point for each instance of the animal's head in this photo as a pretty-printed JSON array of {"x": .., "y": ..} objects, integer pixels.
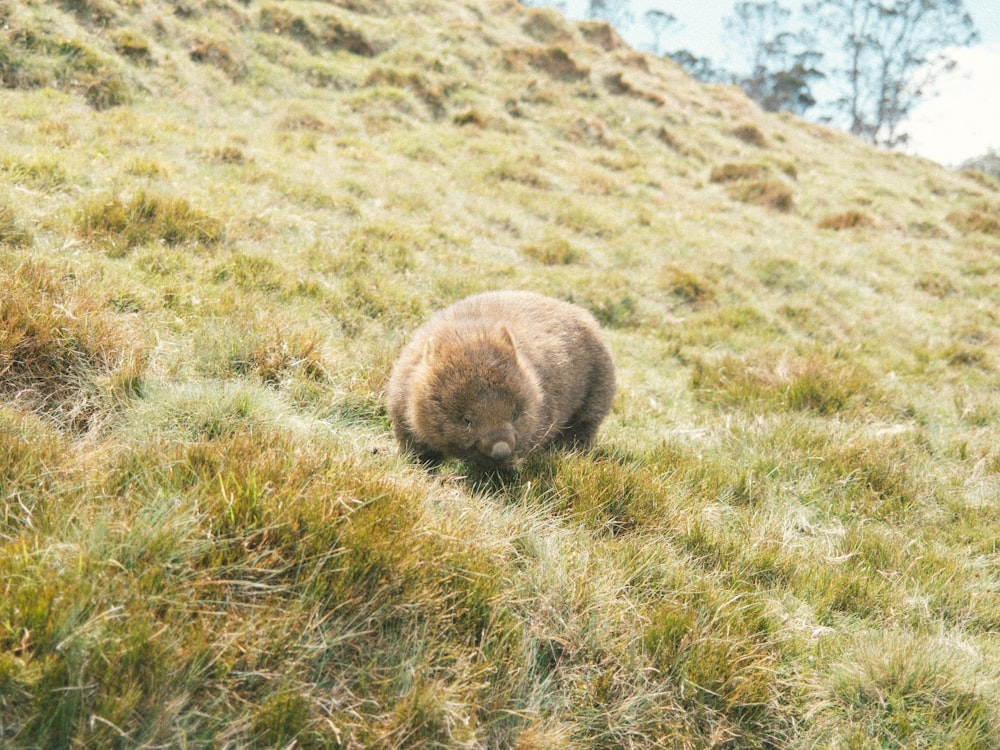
[{"x": 477, "y": 398}]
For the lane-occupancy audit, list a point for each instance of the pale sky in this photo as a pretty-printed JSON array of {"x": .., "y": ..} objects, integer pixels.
[{"x": 960, "y": 122}]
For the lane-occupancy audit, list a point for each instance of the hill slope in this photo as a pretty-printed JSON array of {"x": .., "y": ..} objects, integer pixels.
[{"x": 219, "y": 220}]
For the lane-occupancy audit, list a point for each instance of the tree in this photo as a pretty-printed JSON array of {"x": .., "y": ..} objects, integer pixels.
[
  {"x": 658, "y": 22},
  {"x": 988, "y": 163},
  {"x": 618, "y": 13},
  {"x": 700, "y": 68},
  {"x": 890, "y": 51},
  {"x": 781, "y": 65}
]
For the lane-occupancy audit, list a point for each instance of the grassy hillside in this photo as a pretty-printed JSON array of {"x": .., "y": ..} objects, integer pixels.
[{"x": 219, "y": 221}]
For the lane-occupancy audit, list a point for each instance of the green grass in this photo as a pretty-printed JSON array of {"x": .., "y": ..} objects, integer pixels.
[{"x": 219, "y": 222}]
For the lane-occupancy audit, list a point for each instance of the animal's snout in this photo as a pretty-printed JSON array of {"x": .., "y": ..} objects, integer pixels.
[
  {"x": 498, "y": 449},
  {"x": 501, "y": 451}
]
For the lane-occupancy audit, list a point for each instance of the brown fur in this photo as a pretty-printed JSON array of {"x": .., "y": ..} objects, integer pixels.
[{"x": 499, "y": 374}]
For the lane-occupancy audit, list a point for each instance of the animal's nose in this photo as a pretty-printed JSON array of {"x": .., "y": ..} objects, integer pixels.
[{"x": 501, "y": 451}]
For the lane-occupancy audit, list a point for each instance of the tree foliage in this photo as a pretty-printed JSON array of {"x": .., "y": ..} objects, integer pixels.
[
  {"x": 781, "y": 64},
  {"x": 876, "y": 59},
  {"x": 618, "y": 13},
  {"x": 658, "y": 22},
  {"x": 884, "y": 54}
]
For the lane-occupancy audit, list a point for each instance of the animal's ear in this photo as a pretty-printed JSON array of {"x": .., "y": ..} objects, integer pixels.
[
  {"x": 429, "y": 351},
  {"x": 508, "y": 339}
]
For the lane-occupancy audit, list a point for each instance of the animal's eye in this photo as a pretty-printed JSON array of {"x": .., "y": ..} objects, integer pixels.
[
  {"x": 515, "y": 414},
  {"x": 467, "y": 421}
]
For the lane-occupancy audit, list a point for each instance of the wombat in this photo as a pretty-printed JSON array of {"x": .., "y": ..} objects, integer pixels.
[{"x": 497, "y": 375}]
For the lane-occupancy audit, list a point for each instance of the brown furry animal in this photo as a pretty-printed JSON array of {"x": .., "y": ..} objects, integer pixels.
[{"x": 499, "y": 374}]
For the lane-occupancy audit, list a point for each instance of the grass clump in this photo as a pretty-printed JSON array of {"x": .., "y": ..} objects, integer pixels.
[
  {"x": 688, "y": 287},
  {"x": 98, "y": 12},
  {"x": 31, "y": 453},
  {"x": 720, "y": 645},
  {"x": 812, "y": 382},
  {"x": 554, "y": 61},
  {"x": 851, "y": 219},
  {"x": 553, "y": 251},
  {"x": 733, "y": 172},
  {"x": 768, "y": 193},
  {"x": 317, "y": 31},
  {"x": 32, "y": 56},
  {"x": 120, "y": 225},
  {"x": 251, "y": 273},
  {"x": 221, "y": 55},
  {"x": 228, "y": 154},
  {"x": 543, "y": 25},
  {"x": 82, "y": 69},
  {"x": 133, "y": 46},
  {"x": 982, "y": 221},
  {"x": 520, "y": 172},
  {"x": 613, "y": 308},
  {"x": 748, "y": 183},
  {"x": 274, "y": 354},
  {"x": 63, "y": 351},
  {"x": 12, "y": 233},
  {"x": 903, "y": 689},
  {"x": 750, "y": 134},
  {"x": 41, "y": 174},
  {"x": 935, "y": 284}
]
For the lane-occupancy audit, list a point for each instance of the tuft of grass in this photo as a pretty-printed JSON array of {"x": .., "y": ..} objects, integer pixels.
[
  {"x": 306, "y": 121},
  {"x": 850, "y": 219},
  {"x": 748, "y": 182},
  {"x": 555, "y": 61},
  {"x": 782, "y": 273},
  {"x": 935, "y": 284},
  {"x": 11, "y": 231},
  {"x": 318, "y": 31},
  {"x": 750, "y": 134},
  {"x": 399, "y": 79},
  {"x": 721, "y": 648},
  {"x": 734, "y": 172},
  {"x": 219, "y": 54},
  {"x": 101, "y": 13},
  {"x": 768, "y": 380},
  {"x": 133, "y": 46},
  {"x": 544, "y": 25},
  {"x": 63, "y": 350},
  {"x": 250, "y": 273},
  {"x": 121, "y": 225},
  {"x": 982, "y": 221},
  {"x": 31, "y": 453},
  {"x": 228, "y": 154},
  {"x": 617, "y": 84},
  {"x": 41, "y": 174},
  {"x": 601, "y": 34},
  {"x": 35, "y": 57},
  {"x": 82, "y": 69},
  {"x": 526, "y": 174},
  {"x": 273, "y": 354},
  {"x": 898, "y": 689},
  {"x": 553, "y": 251},
  {"x": 687, "y": 286},
  {"x": 141, "y": 167},
  {"x": 613, "y": 307},
  {"x": 768, "y": 193},
  {"x": 470, "y": 116}
]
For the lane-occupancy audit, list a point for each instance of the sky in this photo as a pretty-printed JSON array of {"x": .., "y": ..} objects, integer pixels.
[{"x": 959, "y": 121}]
